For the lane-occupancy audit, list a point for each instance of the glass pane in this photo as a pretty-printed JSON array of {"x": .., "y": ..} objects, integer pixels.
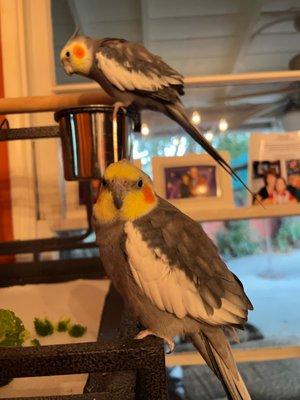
[{"x": 265, "y": 256}]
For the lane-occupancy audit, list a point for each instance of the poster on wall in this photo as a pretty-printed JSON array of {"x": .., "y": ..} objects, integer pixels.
[{"x": 274, "y": 167}]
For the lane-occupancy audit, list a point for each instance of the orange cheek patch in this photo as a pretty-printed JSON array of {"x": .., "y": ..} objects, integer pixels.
[
  {"x": 78, "y": 51},
  {"x": 148, "y": 194}
]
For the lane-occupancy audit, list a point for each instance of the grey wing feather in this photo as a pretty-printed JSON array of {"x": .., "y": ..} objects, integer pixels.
[
  {"x": 214, "y": 348},
  {"x": 131, "y": 67},
  {"x": 187, "y": 246}
]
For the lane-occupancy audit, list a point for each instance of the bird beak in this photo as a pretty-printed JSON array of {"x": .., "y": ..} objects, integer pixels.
[
  {"x": 118, "y": 202},
  {"x": 66, "y": 63},
  {"x": 118, "y": 194},
  {"x": 67, "y": 67}
]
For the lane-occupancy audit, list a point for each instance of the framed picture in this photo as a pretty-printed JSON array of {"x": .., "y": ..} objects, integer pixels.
[
  {"x": 274, "y": 167},
  {"x": 193, "y": 182}
]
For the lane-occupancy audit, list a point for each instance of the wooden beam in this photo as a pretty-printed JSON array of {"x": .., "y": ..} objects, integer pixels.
[
  {"x": 246, "y": 78},
  {"x": 251, "y": 212},
  {"x": 240, "y": 355},
  {"x": 209, "y": 215}
]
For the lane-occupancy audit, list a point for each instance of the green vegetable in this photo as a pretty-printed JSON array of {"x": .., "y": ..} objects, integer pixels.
[
  {"x": 12, "y": 333},
  {"x": 35, "y": 342},
  {"x": 77, "y": 330},
  {"x": 12, "y": 330},
  {"x": 43, "y": 327},
  {"x": 63, "y": 325}
]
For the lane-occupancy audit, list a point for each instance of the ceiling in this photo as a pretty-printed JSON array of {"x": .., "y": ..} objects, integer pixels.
[{"x": 196, "y": 37}]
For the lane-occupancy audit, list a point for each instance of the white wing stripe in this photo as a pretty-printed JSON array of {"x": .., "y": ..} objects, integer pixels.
[
  {"x": 171, "y": 283},
  {"x": 124, "y": 79},
  {"x": 169, "y": 288}
]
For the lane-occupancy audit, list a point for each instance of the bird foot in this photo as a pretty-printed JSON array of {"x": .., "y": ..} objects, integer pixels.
[
  {"x": 117, "y": 106},
  {"x": 146, "y": 332}
]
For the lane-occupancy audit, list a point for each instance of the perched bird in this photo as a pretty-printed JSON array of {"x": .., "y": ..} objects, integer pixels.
[
  {"x": 135, "y": 78},
  {"x": 168, "y": 271}
]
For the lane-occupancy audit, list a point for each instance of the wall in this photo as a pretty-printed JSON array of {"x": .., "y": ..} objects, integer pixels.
[{"x": 6, "y": 228}]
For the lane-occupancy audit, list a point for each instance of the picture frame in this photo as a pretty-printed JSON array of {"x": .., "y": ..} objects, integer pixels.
[
  {"x": 274, "y": 168},
  {"x": 193, "y": 183}
]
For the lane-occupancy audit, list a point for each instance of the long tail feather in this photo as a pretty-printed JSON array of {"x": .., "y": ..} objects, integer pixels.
[
  {"x": 177, "y": 113},
  {"x": 216, "y": 351}
]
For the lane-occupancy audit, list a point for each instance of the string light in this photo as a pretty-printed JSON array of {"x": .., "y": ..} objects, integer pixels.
[
  {"x": 196, "y": 118},
  {"x": 145, "y": 129},
  {"x": 209, "y": 135},
  {"x": 223, "y": 125}
]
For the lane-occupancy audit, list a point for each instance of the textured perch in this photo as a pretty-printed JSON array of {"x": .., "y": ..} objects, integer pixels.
[{"x": 20, "y": 105}]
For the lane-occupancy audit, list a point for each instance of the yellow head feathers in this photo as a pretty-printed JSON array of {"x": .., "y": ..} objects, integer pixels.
[
  {"x": 126, "y": 194},
  {"x": 77, "y": 56},
  {"x": 123, "y": 170}
]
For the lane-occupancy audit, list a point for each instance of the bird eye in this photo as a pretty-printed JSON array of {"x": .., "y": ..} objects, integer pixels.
[
  {"x": 68, "y": 54},
  {"x": 104, "y": 182},
  {"x": 140, "y": 183}
]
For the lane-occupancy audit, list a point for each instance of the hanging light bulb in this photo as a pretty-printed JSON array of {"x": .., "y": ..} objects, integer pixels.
[
  {"x": 223, "y": 125},
  {"x": 196, "y": 118},
  {"x": 145, "y": 129},
  {"x": 209, "y": 135}
]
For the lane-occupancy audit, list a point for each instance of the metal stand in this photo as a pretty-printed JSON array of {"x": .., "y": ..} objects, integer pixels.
[
  {"x": 118, "y": 367},
  {"x": 38, "y": 246}
]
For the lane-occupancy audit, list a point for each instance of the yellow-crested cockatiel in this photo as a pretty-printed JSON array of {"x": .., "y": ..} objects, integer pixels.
[
  {"x": 168, "y": 271},
  {"x": 135, "y": 78}
]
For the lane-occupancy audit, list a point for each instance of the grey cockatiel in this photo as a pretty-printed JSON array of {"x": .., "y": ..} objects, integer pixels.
[
  {"x": 168, "y": 271},
  {"x": 135, "y": 78}
]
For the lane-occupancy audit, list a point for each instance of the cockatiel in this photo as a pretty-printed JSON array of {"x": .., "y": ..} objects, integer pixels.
[
  {"x": 135, "y": 78},
  {"x": 168, "y": 271}
]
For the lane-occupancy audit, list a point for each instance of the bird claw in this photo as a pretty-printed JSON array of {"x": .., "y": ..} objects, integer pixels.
[
  {"x": 146, "y": 332},
  {"x": 171, "y": 346}
]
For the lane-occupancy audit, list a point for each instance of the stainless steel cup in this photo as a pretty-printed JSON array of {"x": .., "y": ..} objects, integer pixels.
[{"x": 91, "y": 140}]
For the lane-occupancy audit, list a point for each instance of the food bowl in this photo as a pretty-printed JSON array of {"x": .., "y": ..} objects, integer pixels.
[{"x": 91, "y": 140}]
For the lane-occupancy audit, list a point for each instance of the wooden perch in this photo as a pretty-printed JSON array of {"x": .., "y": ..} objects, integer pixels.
[
  {"x": 97, "y": 96},
  {"x": 20, "y": 105}
]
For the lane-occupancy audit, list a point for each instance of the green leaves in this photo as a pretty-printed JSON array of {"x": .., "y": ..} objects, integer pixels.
[
  {"x": 63, "y": 325},
  {"x": 43, "y": 327},
  {"x": 77, "y": 330},
  {"x": 12, "y": 330}
]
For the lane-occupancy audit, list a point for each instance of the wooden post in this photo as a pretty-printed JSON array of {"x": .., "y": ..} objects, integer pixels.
[{"x": 6, "y": 227}]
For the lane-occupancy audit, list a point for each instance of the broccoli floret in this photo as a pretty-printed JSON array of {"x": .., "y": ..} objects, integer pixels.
[
  {"x": 35, "y": 342},
  {"x": 63, "y": 324},
  {"x": 43, "y": 327},
  {"x": 77, "y": 330},
  {"x": 12, "y": 330}
]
